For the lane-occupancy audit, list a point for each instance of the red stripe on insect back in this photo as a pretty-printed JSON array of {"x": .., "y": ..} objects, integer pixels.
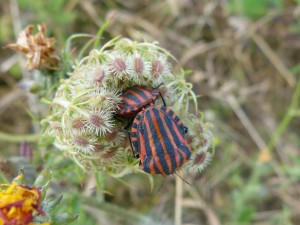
[
  {"x": 133, "y": 130},
  {"x": 142, "y": 146},
  {"x": 170, "y": 137},
  {"x": 158, "y": 132},
  {"x": 128, "y": 101},
  {"x": 151, "y": 166},
  {"x": 146, "y": 90},
  {"x": 137, "y": 95},
  {"x": 167, "y": 109},
  {"x": 152, "y": 145},
  {"x": 183, "y": 140},
  {"x": 176, "y": 116}
]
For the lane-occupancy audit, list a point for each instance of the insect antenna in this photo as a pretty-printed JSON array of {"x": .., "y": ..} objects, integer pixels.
[
  {"x": 183, "y": 179},
  {"x": 162, "y": 98}
]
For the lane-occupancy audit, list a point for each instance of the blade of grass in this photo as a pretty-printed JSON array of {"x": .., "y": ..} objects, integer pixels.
[
  {"x": 274, "y": 59},
  {"x": 288, "y": 117},
  {"x": 18, "y": 138},
  {"x": 100, "y": 33}
]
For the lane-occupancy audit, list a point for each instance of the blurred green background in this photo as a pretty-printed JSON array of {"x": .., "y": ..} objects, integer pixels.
[{"x": 245, "y": 57}]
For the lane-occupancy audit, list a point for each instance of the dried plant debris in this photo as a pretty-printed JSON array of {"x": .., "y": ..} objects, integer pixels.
[{"x": 38, "y": 49}]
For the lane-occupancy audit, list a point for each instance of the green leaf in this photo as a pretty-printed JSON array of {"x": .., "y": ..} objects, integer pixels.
[
  {"x": 253, "y": 9},
  {"x": 247, "y": 214},
  {"x": 51, "y": 205},
  {"x": 43, "y": 179},
  {"x": 3, "y": 179},
  {"x": 63, "y": 218}
]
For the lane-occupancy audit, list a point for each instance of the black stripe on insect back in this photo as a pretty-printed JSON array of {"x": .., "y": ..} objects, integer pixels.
[
  {"x": 157, "y": 144},
  {"x": 139, "y": 91},
  {"x": 168, "y": 123},
  {"x": 144, "y": 132},
  {"x": 155, "y": 166},
  {"x": 160, "y": 144},
  {"x": 146, "y": 164},
  {"x": 182, "y": 146},
  {"x": 132, "y": 98},
  {"x": 179, "y": 124},
  {"x": 170, "y": 145}
]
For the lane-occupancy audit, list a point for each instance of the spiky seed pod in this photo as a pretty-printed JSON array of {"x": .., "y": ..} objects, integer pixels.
[
  {"x": 140, "y": 67},
  {"x": 201, "y": 142},
  {"x": 82, "y": 112},
  {"x": 99, "y": 122},
  {"x": 198, "y": 161}
]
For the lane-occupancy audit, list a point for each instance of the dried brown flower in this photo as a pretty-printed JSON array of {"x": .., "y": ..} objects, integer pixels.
[{"x": 39, "y": 49}]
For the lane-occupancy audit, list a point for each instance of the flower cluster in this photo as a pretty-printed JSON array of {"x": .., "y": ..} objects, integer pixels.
[
  {"x": 83, "y": 119},
  {"x": 39, "y": 49},
  {"x": 201, "y": 141}
]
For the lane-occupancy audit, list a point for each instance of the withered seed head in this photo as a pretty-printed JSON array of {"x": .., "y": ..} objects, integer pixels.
[
  {"x": 110, "y": 153},
  {"x": 96, "y": 120},
  {"x": 39, "y": 50},
  {"x": 99, "y": 76},
  {"x": 78, "y": 124},
  {"x": 204, "y": 142},
  {"x": 138, "y": 65},
  {"x": 99, "y": 147},
  {"x": 119, "y": 65},
  {"x": 157, "y": 68},
  {"x": 199, "y": 158},
  {"x": 81, "y": 141}
]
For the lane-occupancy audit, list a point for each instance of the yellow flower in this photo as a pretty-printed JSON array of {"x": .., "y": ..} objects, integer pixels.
[
  {"x": 19, "y": 204},
  {"x": 39, "y": 50}
]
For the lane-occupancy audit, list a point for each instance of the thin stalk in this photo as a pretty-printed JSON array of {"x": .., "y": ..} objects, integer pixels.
[
  {"x": 18, "y": 138},
  {"x": 287, "y": 118},
  {"x": 178, "y": 200},
  {"x": 100, "y": 33}
]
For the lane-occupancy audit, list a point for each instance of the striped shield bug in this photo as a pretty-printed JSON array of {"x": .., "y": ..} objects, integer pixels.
[
  {"x": 158, "y": 135},
  {"x": 134, "y": 99}
]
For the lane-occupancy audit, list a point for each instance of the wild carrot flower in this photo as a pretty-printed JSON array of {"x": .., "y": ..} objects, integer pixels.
[
  {"x": 39, "y": 50},
  {"x": 201, "y": 141},
  {"x": 83, "y": 119}
]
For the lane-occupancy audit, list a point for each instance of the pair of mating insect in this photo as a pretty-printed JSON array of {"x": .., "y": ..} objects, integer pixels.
[{"x": 157, "y": 133}]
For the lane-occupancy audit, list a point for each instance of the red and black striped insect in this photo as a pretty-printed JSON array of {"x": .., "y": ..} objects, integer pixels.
[
  {"x": 158, "y": 135},
  {"x": 135, "y": 99}
]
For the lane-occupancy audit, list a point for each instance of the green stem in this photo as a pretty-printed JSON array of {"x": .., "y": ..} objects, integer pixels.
[
  {"x": 289, "y": 116},
  {"x": 18, "y": 138},
  {"x": 100, "y": 33}
]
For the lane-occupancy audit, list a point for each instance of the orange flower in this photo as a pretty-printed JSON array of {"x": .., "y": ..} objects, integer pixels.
[
  {"x": 19, "y": 204},
  {"x": 39, "y": 50}
]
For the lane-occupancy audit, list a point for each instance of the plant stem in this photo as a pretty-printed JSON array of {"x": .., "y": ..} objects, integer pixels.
[
  {"x": 287, "y": 118},
  {"x": 18, "y": 138},
  {"x": 178, "y": 201}
]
